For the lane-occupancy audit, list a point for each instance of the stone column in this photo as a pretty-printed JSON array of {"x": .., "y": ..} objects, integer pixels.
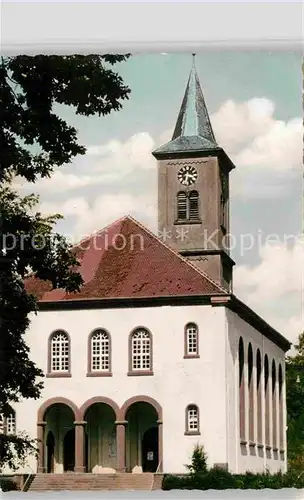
[
  {"x": 41, "y": 446},
  {"x": 121, "y": 444},
  {"x": 160, "y": 445},
  {"x": 79, "y": 446}
]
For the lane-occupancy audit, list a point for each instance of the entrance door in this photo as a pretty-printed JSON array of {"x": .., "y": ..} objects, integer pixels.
[
  {"x": 150, "y": 450},
  {"x": 69, "y": 451},
  {"x": 50, "y": 445}
]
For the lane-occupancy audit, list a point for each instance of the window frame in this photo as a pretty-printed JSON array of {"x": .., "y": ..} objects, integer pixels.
[
  {"x": 188, "y": 431},
  {"x": 187, "y": 354},
  {"x": 58, "y": 373},
  {"x": 5, "y": 425},
  {"x": 99, "y": 373},
  {"x": 140, "y": 371}
]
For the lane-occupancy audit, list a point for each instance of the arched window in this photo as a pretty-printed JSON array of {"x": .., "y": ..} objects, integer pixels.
[
  {"x": 99, "y": 352},
  {"x": 192, "y": 420},
  {"x": 191, "y": 341},
  {"x": 8, "y": 424},
  {"x": 242, "y": 391},
  {"x": 251, "y": 394},
  {"x": 182, "y": 206},
  {"x": 274, "y": 405},
  {"x": 193, "y": 205},
  {"x": 59, "y": 355},
  {"x": 281, "y": 414},
  {"x": 259, "y": 398},
  {"x": 141, "y": 351},
  {"x": 267, "y": 401}
]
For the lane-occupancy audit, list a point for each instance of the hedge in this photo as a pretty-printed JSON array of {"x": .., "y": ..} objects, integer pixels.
[{"x": 218, "y": 479}]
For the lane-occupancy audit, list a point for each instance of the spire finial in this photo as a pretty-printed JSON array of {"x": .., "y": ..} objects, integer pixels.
[{"x": 193, "y": 58}]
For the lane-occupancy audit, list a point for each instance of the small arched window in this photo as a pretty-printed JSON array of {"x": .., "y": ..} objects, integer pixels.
[
  {"x": 8, "y": 424},
  {"x": 192, "y": 420},
  {"x": 191, "y": 341},
  {"x": 59, "y": 356},
  {"x": 182, "y": 206},
  {"x": 193, "y": 205},
  {"x": 141, "y": 351},
  {"x": 99, "y": 352}
]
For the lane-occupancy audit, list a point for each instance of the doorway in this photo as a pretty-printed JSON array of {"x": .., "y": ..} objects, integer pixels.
[
  {"x": 69, "y": 451},
  {"x": 50, "y": 445},
  {"x": 150, "y": 450}
]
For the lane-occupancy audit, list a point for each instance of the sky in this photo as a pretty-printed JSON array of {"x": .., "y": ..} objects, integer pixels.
[{"x": 255, "y": 104}]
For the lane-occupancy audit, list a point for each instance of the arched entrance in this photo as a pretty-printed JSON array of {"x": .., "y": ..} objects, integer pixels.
[
  {"x": 50, "y": 446},
  {"x": 142, "y": 441},
  {"x": 59, "y": 438},
  {"x": 69, "y": 451},
  {"x": 100, "y": 450},
  {"x": 149, "y": 449}
]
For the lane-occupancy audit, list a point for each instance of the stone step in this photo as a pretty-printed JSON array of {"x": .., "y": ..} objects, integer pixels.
[{"x": 89, "y": 481}]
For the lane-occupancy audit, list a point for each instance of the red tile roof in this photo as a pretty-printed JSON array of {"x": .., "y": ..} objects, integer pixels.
[{"x": 126, "y": 260}]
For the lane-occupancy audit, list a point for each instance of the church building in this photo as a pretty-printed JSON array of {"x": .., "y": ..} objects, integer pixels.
[{"x": 156, "y": 353}]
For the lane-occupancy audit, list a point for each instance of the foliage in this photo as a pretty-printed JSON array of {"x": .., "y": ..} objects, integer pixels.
[
  {"x": 295, "y": 405},
  {"x": 34, "y": 141},
  {"x": 8, "y": 485},
  {"x": 199, "y": 460},
  {"x": 218, "y": 479}
]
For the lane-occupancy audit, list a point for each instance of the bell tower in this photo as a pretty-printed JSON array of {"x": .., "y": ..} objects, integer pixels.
[{"x": 193, "y": 189}]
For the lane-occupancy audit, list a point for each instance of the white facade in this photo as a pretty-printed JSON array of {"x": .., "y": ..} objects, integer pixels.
[{"x": 209, "y": 381}]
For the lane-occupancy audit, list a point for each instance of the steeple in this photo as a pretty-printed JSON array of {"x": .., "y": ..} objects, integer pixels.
[{"x": 193, "y": 130}]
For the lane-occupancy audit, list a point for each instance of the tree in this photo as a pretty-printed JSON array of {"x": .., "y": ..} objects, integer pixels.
[
  {"x": 295, "y": 404},
  {"x": 34, "y": 141}
]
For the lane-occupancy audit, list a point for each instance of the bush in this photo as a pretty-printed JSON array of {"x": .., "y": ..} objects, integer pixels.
[
  {"x": 8, "y": 485},
  {"x": 218, "y": 479},
  {"x": 199, "y": 460}
]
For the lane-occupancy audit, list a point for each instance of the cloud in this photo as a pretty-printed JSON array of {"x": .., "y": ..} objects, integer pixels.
[
  {"x": 267, "y": 152},
  {"x": 105, "y": 209},
  {"x": 275, "y": 286}
]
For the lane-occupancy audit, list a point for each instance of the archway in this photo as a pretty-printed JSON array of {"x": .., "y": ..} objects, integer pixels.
[
  {"x": 69, "y": 451},
  {"x": 142, "y": 442},
  {"x": 101, "y": 449},
  {"x": 60, "y": 444},
  {"x": 50, "y": 446}
]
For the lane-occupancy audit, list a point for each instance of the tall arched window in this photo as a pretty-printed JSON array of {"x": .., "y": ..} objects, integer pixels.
[
  {"x": 242, "y": 414},
  {"x": 193, "y": 205},
  {"x": 281, "y": 414},
  {"x": 140, "y": 352},
  {"x": 59, "y": 353},
  {"x": 192, "y": 420},
  {"x": 99, "y": 353},
  {"x": 267, "y": 401},
  {"x": 182, "y": 211},
  {"x": 250, "y": 394},
  {"x": 191, "y": 341},
  {"x": 274, "y": 405},
  {"x": 259, "y": 398}
]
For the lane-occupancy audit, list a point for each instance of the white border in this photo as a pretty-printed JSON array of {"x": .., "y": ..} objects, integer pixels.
[{"x": 82, "y": 27}]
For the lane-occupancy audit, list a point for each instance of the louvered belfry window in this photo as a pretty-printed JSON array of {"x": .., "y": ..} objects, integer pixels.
[
  {"x": 188, "y": 206},
  {"x": 193, "y": 205},
  {"x": 182, "y": 205}
]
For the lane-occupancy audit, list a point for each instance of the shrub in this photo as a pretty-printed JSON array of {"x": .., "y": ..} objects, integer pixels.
[
  {"x": 199, "y": 460},
  {"x": 8, "y": 485}
]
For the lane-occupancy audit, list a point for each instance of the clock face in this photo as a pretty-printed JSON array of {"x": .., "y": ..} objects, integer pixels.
[{"x": 187, "y": 175}]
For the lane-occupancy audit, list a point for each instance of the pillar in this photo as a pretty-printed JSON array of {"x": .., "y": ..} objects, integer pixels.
[
  {"x": 79, "y": 446},
  {"x": 41, "y": 446},
  {"x": 160, "y": 445},
  {"x": 121, "y": 444}
]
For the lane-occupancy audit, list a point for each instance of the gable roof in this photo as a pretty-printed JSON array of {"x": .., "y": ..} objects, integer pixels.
[{"x": 126, "y": 260}]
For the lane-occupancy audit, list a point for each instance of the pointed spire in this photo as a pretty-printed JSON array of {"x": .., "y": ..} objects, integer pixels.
[{"x": 193, "y": 130}]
